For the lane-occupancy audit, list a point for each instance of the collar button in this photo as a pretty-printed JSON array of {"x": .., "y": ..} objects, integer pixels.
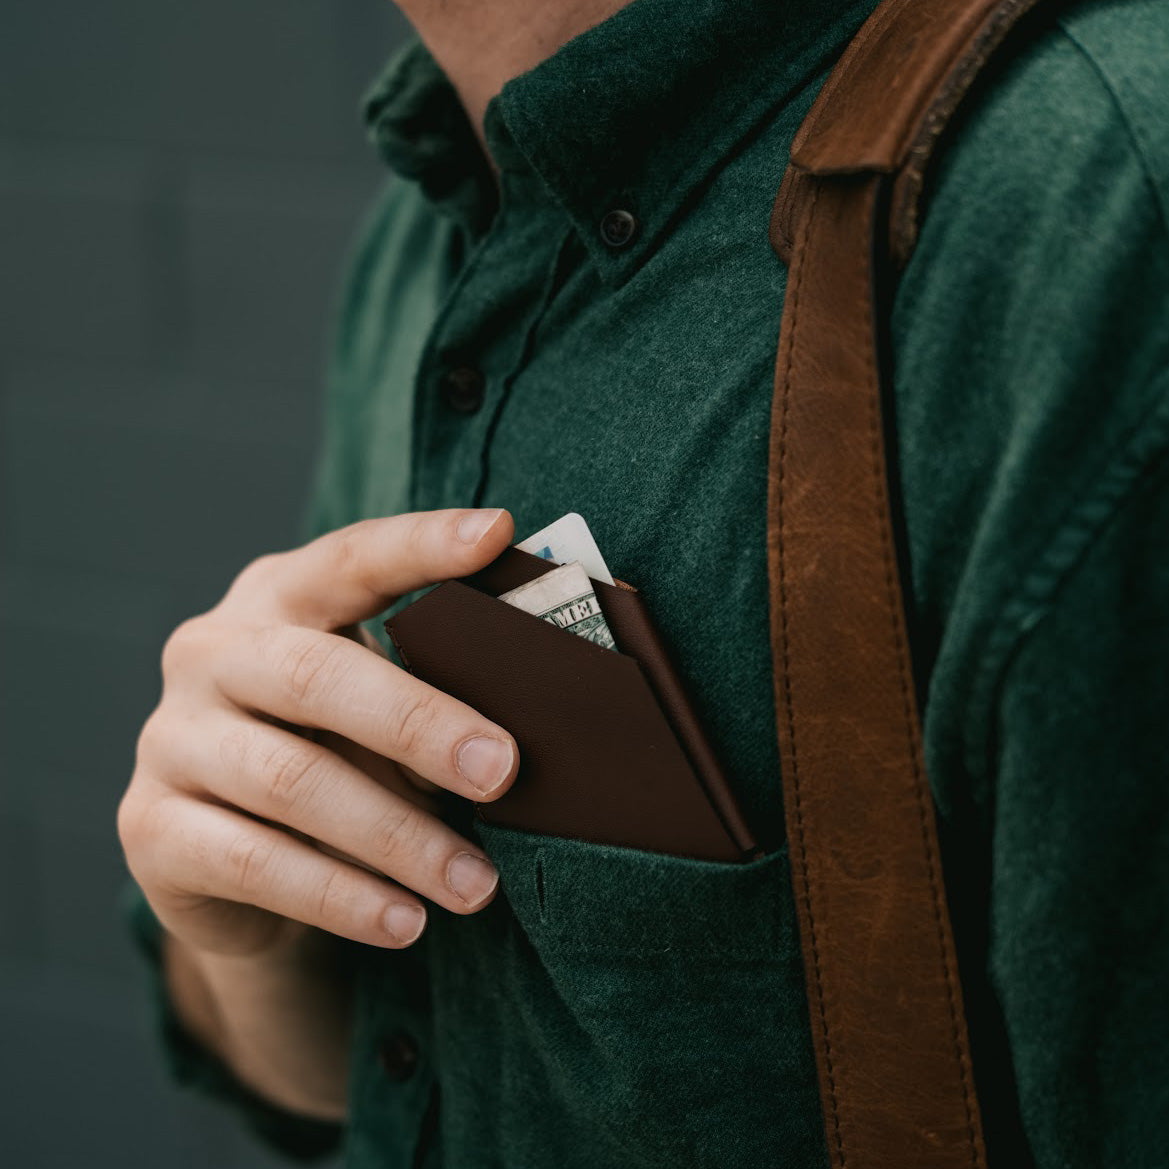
[{"x": 618, "y": 228}]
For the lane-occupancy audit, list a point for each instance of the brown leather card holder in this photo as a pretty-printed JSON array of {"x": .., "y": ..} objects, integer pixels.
[{"x": 611, "y": 750}]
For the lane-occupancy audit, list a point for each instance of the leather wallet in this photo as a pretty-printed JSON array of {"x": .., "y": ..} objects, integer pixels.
[{"x": 611, "y": 750}]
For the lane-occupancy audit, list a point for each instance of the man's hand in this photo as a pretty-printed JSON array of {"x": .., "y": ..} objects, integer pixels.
[{"x": 228, "y": 801}]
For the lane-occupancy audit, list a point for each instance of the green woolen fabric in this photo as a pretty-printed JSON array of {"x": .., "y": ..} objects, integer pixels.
[{"x": 617, "y": 1008}]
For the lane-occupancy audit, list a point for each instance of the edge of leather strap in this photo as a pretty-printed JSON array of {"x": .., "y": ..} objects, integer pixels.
[
  {"x": 882, "y": 980},
  {"x": 889, "y": 78},
  {"x": 884, "y": 995},
  {"x": 905, "y": 203},
  {"x": 790, "y": 205},
  {"x": 888, "y": 100}
]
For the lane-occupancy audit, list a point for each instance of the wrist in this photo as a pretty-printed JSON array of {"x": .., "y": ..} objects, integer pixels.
[{"x": 279, "y": 1019}]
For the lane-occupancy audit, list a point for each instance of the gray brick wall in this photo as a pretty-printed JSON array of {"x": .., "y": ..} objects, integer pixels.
[{"x": 178, "y": 185}]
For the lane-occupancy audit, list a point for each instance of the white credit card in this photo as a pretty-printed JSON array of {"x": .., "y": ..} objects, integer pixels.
[{"x": 566, "y": 540}]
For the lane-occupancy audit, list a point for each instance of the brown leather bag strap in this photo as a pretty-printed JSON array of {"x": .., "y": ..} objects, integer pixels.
[{"x": 883, "y": 989}]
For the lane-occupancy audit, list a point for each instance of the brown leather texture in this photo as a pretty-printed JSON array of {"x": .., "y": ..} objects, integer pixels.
[
  {"x": 888, "y": 100},
  {"x": 884, "y": 995},
  {"x": 611, "y": 750}
]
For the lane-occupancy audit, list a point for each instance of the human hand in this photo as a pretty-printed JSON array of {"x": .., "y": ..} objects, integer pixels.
[{"x": 244, "y": 832}]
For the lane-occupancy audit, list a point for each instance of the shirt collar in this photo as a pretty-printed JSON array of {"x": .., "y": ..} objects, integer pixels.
[
  {"x": 635, "y": 114},
  {"x": 416, "y": 121}
]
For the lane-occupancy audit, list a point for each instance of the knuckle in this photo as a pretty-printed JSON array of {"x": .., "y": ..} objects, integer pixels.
[
  {"x": 286, "y": 772},
  {"x": 130, "y": 821},
  {"x": 345, "y": 547},
  {"x": 257, "y": 573},
  {"x": 412, "y": 721},
  {"x": 248, "y": 862},
  {"x": 236, "y": 749},
  {"x": 334, "y": 896},
  {"x": 419, "y": 531},
  {"x": 396, "y": 832},
  {"x": 290, "y": 774},
  {"x": 182, "y": 646},
  {"x": 151, "y": 739},
  {"x": 309, "y": 664},
  {"x": 350, "y": 558},
  {"x": 145, "y": 829}
]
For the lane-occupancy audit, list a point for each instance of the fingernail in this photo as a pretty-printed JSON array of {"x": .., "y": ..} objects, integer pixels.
[
  {"x": 471, "y": 877},
  {"x": 484, "y": 762},
  {"x": 476, "y": 524},
  {"x": 405, "y": 922}
]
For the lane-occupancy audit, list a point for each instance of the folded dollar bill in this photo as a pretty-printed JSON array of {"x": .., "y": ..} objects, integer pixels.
[{"x": 566, "y": 598}]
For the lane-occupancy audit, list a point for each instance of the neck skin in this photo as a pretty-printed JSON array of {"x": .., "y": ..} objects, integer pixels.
[{"x": 482, "y": 44}]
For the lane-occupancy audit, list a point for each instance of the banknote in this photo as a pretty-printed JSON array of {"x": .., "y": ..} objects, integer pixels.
[
  {"x": 565, "y": 597},
  {"x": 568, "y": 539}
]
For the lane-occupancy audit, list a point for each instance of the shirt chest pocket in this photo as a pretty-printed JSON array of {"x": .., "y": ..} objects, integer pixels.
[{"x": 660, "y": 1000}]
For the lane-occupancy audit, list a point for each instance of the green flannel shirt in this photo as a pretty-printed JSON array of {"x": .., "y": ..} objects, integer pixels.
[{"x": 616, "y": 1008}]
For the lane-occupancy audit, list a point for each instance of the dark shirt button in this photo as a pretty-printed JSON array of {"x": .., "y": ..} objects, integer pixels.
[
  {"x": 398, "y": 1055},
  {"x": 618, "y": 228},
  {"x": 462, "y": 389}
]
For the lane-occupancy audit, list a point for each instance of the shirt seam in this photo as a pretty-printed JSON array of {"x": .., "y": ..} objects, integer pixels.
[
  {"x": 1139, "y": 455},
  {"x": 553, "y": 282},
  {"x": 424, "y": 405},
  {"x": 1132, "y": 131}
]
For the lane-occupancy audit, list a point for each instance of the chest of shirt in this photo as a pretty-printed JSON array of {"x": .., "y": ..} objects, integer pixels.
[{"x": 520, "y": 378}]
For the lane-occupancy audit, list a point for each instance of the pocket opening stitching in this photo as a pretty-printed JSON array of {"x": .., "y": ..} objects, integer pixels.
[
  {"x": 539, "y": 880},
  {"x": 767, "y": 949}
]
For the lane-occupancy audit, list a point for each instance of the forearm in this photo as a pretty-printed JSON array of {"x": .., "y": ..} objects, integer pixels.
[{"x": 282, "y": 1027}]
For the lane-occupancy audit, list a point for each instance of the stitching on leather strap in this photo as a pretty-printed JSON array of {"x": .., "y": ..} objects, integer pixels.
[
  {"x": 792, "y": 306},
  {"x": 920, "y": 783},
  {"x": 883, "y": 15}
]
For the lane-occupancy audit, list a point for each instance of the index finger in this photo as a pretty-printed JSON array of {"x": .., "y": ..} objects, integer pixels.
[{"x": 356, "y": 572}]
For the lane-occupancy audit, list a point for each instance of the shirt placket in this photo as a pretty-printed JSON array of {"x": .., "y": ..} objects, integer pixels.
[
  {"x": 396, "y": 1094},
  {"x": 480, "y": 343}
]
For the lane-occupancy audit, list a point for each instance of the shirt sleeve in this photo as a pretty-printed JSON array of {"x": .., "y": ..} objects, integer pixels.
[
  {"x": 188, "y": 1062},
  {"x": 192, "y": 1066},
  {"x": 1079, "y": 952},
  {"x": 1032, "y": 357},
  {"x": 332, "y": 502}
]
